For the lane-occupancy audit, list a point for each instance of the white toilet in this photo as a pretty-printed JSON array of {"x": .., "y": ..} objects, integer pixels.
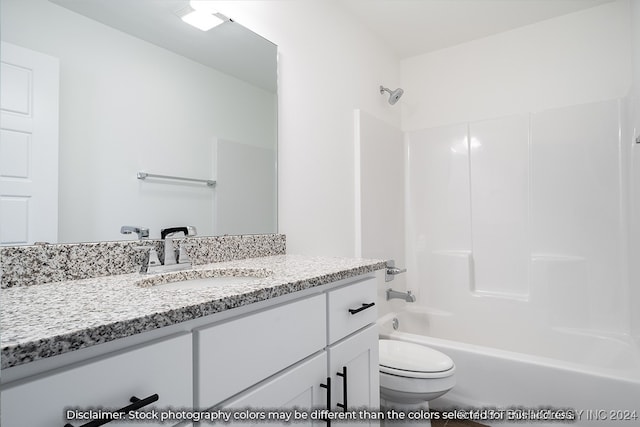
[{"x": 412, "y": 374}]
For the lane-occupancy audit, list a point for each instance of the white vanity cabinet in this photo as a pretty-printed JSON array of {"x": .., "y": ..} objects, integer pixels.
[
  {"x": 292, "y": 352},
  {"x": 163, "y": 368},
  {"x": 345, "y": 358},
  {"x": 353, "y": 349}
]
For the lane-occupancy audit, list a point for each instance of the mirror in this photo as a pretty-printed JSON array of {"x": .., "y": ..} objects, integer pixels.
[{"x": 142, "y": 91}]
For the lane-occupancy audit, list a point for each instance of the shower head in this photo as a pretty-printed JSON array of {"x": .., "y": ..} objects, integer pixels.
[{"x": 393, "y": 95}]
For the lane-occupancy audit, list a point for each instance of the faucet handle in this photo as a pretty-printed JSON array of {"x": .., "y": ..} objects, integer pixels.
[
  {"x": 150, "y": 257},
  {"x": 167, "y": 232},
  {"x": 392, "y": 270},
  {"x": 188, "y": 231},
  {"x": 183, "y": 256}
]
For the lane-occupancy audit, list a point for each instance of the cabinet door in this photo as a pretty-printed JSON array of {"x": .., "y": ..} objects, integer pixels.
[
  {"x": 237, "y": 354},
  {"x": 358, "y": 356},
  {"x": 162, "y": 368},
  {"x": 297, "y": 388}
]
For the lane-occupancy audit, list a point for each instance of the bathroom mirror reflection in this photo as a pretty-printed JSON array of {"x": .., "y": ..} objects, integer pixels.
[{"x": 141, "y": 91}]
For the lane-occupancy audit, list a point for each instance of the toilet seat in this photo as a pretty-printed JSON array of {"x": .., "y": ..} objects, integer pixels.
[{"x": 405, "y": 359}]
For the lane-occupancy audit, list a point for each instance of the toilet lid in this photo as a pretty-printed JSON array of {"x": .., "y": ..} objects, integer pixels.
[{"x": 406, "y": 356}]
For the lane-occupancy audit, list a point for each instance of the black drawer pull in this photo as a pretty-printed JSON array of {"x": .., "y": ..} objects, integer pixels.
[
  {"x": 343, "y": 374},
  {"x": 364, "y": 307},
  {"x": 135, "y": 405},
  {"x": 328, "y": 387}
]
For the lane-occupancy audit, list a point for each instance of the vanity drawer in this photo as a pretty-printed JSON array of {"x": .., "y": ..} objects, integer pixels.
[
  {"x": 163, "y": 368},
  {"x": 237, "y": 354},
  {"x": 352, "y": 308}
]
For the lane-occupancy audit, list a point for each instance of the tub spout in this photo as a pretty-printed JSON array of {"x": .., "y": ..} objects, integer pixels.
[{"x": 407, "y": 296}]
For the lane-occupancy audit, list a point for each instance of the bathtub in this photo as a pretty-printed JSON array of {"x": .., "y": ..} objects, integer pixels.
[{"x": 602, "y": 390}]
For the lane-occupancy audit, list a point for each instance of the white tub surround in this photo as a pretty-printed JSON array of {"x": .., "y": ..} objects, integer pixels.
[
  {"x": 518, "y": 226},
  {"x": 54, "y": 318}
]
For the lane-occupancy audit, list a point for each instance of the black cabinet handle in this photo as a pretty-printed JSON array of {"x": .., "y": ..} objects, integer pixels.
[
  {"x": 343, "y": 374},
  {"x": 328, "y": 387},
  {"x": 135, "y": 405},
  {"x": 364, "y": 307}
]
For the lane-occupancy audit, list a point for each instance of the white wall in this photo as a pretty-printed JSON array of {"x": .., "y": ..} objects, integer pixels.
[
  {"x": 256, "y": 210},
  {"x": 380, "y": 199},
  {"x": 159, "y": 112},
  {"x": 573, "y": 59},
  {"x": 634, "y": 148},
  {"x": 328, "y": 66},
  {"x": 635, "y": 28}
]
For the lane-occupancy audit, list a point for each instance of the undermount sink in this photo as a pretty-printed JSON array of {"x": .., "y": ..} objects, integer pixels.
[
  {"x": 206, "y": 283},
  {"x": 201, "y": 279}
]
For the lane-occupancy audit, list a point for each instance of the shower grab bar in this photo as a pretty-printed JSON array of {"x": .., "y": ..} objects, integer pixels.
[{"x": 145, "y": 175}]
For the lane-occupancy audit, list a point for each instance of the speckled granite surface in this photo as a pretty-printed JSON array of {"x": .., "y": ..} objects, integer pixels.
[
  {"x": 32, "y": 265},
  {"x": 54, "y": 318}
]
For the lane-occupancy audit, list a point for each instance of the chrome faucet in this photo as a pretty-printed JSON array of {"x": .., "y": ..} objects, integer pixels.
[
  {"x": 391, "y": 270},
  {"x": 407, "y": 296},
  {"x": 143, "y": 233},
  {"x": 173, "y": 255},
  {"x": 174, "y": 258}
]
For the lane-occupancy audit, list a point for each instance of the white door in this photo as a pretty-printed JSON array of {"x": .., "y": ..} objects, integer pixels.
[{"x": 29, "y": 83}]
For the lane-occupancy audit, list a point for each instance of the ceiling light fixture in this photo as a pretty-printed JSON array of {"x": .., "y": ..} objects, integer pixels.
[{"x": 201, "y": 15}]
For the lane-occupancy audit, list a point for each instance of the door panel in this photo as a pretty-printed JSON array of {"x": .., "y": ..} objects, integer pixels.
[
  {"x": 359, "y": 355},
  {"x": 28, "y": 146}
]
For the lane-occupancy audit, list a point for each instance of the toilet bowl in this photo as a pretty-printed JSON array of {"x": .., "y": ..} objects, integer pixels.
[{"x": 411, "y": 375}]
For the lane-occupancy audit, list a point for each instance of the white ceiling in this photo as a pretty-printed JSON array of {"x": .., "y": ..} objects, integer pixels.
[
  {"x": 413, "y": 27},
  {"x": 407, "y": 27}
]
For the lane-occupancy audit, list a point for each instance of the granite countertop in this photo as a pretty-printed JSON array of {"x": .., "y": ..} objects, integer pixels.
[{"x": 54, "y": 318}]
